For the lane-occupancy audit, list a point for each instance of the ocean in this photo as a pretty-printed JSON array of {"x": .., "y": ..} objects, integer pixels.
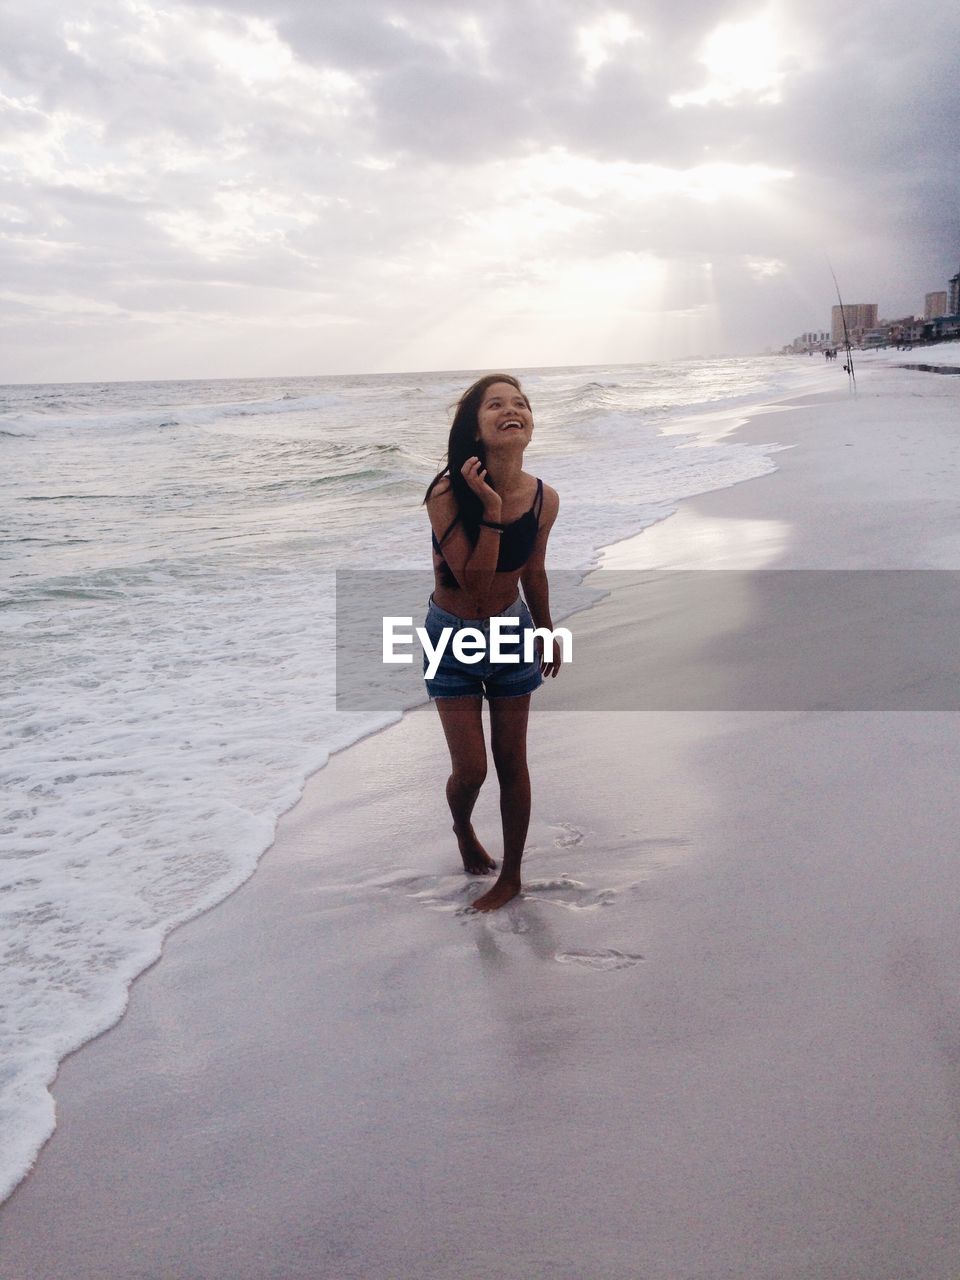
[{"x": 169, "y": 551}]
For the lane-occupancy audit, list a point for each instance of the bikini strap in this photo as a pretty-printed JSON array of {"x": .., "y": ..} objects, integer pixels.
[
  {"x": 446, "y": 532},
  {"x": 438, "y": 543},
  {"x": 538, "y": 500}
]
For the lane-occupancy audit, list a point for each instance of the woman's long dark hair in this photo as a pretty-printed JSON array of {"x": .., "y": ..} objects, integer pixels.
[{"x": 461, "y": 445}]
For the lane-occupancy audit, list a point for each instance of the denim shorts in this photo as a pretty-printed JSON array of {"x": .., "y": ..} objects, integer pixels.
[{"x": 457, "y": 679}]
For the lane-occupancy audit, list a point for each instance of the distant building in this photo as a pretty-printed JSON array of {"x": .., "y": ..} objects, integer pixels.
[
  {"x": 935, "y": 305},
  {"x": 953, "y": 301},
  {"x": 815, "y": 340},
  {"x": 906, "y": 329},
  {"x": 914, "y": 332},
  {"x": 860, "y": 317},
  {"x": 934, "y": 330}
]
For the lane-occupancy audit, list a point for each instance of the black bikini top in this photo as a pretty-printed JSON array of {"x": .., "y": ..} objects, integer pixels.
[{"x": 516, "y": 541}]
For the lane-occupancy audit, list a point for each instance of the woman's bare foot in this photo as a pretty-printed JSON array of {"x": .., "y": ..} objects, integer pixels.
[
  {"x": 501, "y": 893},
  {"x": 476, "y": 860}
]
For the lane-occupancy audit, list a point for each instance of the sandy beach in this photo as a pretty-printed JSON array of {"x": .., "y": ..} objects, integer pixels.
[{"x": 717, "y": 1037}]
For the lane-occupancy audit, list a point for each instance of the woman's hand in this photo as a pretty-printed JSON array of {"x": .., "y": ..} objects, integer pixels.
[
  {"x": 551, "y": 668},
  {"x": 476, "y": 477}
]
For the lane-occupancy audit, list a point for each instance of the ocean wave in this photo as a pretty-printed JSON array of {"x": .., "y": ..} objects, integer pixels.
[
  {"x": 293, "y": 404},
  {"x": 68, "y": 497},
  {"x": 587, "y": 397},
  {"x": 165, "y": 708},
  {"x": 188, "y": 415}
]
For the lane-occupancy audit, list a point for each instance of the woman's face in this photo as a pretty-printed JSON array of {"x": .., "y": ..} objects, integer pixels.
[{"x": 504, "y": 417}]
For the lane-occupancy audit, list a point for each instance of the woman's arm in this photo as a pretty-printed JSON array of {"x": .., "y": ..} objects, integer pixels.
[
  {"x": 473, "y": 566},
  {"x": 536, "y": 587}
]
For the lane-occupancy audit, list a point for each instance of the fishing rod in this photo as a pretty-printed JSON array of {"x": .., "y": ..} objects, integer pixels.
[{"x": 846, "y": 336}]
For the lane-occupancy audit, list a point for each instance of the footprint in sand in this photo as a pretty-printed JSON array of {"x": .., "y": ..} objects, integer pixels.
[
  {"x": 567, "y": 892},
  {"x": 608, "y": 959},
  {"x": 572, "y": 836},
  {"x": 438, "y": 893},
  {"x": 455, "y": 893},
  {"x": 451, "y": 893}
]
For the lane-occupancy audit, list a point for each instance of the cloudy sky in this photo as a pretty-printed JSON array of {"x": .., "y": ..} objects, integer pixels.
[{"x": 306, "y": 186}]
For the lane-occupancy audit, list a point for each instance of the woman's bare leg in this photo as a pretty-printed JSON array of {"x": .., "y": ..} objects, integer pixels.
[
  {"x": 508, "y": 726},
  {"x": 463, "y": 727}
]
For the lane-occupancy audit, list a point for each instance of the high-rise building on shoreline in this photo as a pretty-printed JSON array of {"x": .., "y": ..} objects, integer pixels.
[
  {"x": 860, "y": 317},
  {"x": 815, "y": 340},
  {"x": 940, "y": 321}
]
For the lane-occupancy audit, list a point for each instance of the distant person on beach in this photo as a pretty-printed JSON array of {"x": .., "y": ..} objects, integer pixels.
[{"x": 491, "y": 521}]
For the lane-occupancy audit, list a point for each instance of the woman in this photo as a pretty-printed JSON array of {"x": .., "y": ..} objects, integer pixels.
[{"x": 491, "y": 521}]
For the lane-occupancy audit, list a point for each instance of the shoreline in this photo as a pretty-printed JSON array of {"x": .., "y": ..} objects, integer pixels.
[
  {"x": 729, "y": 415},
  {"x": 144, "y": 1078}
]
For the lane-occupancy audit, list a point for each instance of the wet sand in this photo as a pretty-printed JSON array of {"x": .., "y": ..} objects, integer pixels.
[{"x": 717, "y": 1037}]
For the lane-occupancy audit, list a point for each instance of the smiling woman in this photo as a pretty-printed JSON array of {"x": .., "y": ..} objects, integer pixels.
[{"x": 491, "y": 521}]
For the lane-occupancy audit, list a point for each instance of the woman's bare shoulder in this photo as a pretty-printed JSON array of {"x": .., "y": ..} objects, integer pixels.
[
  {"x": 441, "y": 496},
  {"x": 442, "y": 509}
]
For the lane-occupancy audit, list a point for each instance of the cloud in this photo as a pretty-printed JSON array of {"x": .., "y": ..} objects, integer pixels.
[{"x": 163, "y": 168}]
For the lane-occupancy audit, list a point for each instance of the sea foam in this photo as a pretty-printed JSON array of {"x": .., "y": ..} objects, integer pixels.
[{"x": 168, "y": 622}]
